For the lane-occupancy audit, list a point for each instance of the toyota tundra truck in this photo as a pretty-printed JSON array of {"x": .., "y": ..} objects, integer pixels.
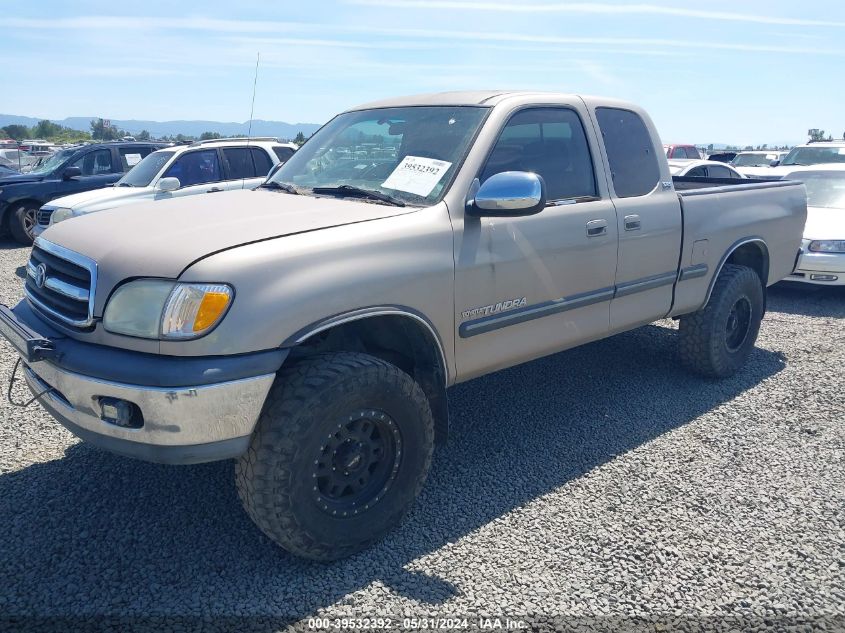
[{"x": 310, "y": 328}]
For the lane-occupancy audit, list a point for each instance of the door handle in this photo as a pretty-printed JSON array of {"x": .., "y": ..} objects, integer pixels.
[
  {"x": 632, "y": 223},
  {"x": 214, "y": 189},
  {"x": 596, "y": 228}
]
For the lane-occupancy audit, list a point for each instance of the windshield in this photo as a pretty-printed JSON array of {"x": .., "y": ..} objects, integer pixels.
[
  {"x": 751, "y": 160},
  {"x": 814, "y": 155},
  {"x": 142, "y": 174},
  {"x": 410, "y": 154},
  {"x": 823, "y": 190},
  {"x": 54, "y": 161}
]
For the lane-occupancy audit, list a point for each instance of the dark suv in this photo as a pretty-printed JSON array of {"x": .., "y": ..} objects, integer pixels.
[{"x": 68, "y": 171}]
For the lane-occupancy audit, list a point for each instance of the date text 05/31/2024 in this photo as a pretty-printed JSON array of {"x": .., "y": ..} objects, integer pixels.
[{"x": 416, "y": 624}]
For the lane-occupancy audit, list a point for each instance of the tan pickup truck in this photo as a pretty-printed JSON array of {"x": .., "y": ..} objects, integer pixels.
[{"x": 310, "y": 328}]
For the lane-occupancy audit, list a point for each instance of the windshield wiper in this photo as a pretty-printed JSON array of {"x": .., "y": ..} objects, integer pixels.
[
  {"x": 123, "y": 184},
  {"x": 351, "y": 190},
  {"x": 279, "y": 186}
]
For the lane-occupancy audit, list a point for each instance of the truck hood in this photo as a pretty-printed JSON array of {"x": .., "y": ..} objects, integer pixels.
[
  {"x": 161, "y": 239},
  {"x": 80, "y": 201},
  {"x": 17, "y": 179},
  {"x": 824, "y": 224}
]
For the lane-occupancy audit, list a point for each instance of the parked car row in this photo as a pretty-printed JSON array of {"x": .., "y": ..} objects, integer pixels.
[
  {"x": 822, "y": 259},
  {"x": 77, "y": 180},
  {"x": 202, "y": 167}
]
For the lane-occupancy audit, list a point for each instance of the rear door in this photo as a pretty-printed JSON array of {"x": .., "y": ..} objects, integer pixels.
[
  {"x": 245, "y": 166},
  {"x": 649, "y": 218}
]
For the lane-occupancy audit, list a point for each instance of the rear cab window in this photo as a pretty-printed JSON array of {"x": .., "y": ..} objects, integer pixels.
[{"x": 632, "y": 157}]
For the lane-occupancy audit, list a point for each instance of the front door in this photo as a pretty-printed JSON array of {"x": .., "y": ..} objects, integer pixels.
[
  {"x": 98, "y": 170},
  {"x": 199, "y": 171},
  {"x": 530, "y": 286}
]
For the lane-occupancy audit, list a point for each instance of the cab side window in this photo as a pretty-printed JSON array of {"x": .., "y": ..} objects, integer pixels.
[
  {"x": 94, "y": 163},
  {"x": 196, "y": 168},
  {"x": 630, "y": 152},
  {"x": 550, "y": 142}
]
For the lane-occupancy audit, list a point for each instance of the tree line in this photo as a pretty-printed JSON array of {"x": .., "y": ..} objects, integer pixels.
[{"x": 55, "y": 133}]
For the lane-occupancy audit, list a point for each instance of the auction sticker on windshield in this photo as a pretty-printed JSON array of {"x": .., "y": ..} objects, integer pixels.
[
  {"x": 133, "y": 159},
  {"x": 417, "y": 175}
]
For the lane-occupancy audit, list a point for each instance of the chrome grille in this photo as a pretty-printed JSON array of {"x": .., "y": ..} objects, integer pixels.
[
  {"x": 44, "y": 216},
  {"x": 60, "y": 283}
]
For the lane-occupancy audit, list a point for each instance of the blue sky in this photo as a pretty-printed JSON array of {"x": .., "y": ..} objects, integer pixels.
[{"x": 757, "y": 71}]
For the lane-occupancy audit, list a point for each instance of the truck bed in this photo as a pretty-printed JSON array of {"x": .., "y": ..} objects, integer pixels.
[
  {"x": 687, "y": 183},
  {"x": 719, "y": 214}
]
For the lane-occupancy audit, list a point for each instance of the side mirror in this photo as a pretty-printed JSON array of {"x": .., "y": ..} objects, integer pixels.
[
  {"x": 774, "y": 163},
  {"x": 509, "y": 194},
  {"x": 168, "y": 184},
  {"x": 71, "y": 172},
  {"x": 273, "y": 170}
]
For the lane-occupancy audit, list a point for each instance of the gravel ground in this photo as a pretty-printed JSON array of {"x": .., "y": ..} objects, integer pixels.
[{"x": 602, "y": 488}]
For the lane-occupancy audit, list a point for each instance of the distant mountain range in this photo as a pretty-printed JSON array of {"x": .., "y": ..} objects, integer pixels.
[{"x": 278, "y": 129}]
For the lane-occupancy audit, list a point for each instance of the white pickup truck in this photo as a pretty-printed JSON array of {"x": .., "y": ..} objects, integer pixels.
[{"x": 310, "y": 328}]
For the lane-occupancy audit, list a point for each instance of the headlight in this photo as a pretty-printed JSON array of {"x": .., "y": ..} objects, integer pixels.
[
  {"x": 60, "y": 215},
  {"x": 156, "y": 308},
  {"x": 193, "y": 309},
  {"x": 827, "y": 246}
]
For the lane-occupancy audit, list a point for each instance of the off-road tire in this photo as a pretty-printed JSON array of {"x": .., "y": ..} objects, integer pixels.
[
  {"x": 308, "y": 402},
  {"x": 705, "y": 336},
  {"x": 18, "y": 222}
]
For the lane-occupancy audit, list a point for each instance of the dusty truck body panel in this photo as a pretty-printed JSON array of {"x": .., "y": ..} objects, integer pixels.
[
  {"x": 407, "y": 262},
  {"x": 473, "y": 231},
  {"x": 755, "y": 219}
]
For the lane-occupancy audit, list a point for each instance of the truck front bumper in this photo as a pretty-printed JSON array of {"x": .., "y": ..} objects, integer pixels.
[
  {"x": 183, "y": 425},
  {"x": 175, "y": 410}
]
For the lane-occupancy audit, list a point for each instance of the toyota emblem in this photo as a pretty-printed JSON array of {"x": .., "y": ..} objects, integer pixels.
[{"x": 40, "y": 275}]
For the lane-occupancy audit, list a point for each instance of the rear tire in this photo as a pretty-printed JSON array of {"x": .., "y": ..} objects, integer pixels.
[
  {"x": 716, "y": 341},
  {"x": 22, "y": 221},
  {"x": 340, "y": 452}
]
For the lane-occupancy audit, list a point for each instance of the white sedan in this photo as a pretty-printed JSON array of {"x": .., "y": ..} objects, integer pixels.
[
  {"x": 703, "y": 169},
  {"x": 822, "y": 260}
]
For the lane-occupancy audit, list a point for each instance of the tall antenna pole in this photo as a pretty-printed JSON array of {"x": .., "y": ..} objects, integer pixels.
[
  {"x": 254, "y": 86},
  {"x": 252, "y": 108}
]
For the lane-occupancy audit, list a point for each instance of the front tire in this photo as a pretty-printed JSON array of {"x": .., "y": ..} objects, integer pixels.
[
  {"x": 716, "y": 341},
  {"x": 340, "y": 452},
  {"x": 22, "y": 222}
]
